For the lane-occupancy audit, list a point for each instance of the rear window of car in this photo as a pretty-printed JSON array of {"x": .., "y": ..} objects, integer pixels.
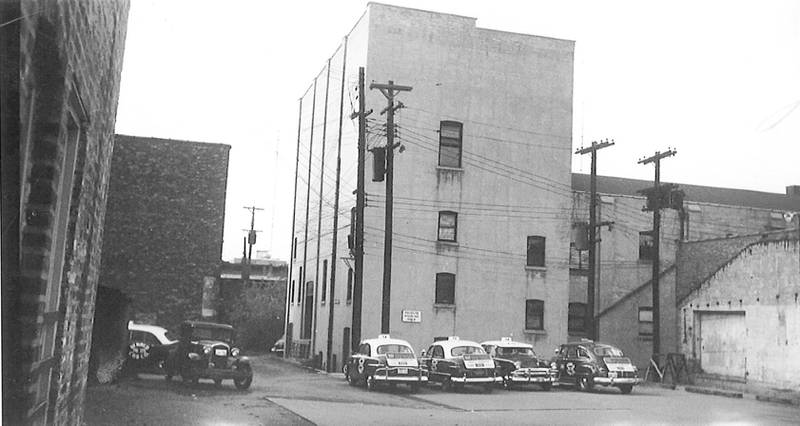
[
  {"x": 466, "y": 350},
  {"x": 515, "y": 351},
  {"x": 607, "y": 351},
  {"x": 395, "y": 349}
]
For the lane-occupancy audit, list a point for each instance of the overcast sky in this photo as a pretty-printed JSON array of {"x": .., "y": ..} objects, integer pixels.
[{"x": 717, "y": 80}]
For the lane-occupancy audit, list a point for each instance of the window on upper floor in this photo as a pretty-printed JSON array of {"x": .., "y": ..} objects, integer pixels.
[
  {"x": 349, "y": 285},
  {"x": 536, "y": 246},
  {"x": 445, "y": 288},
  {"x": 324, "y": 280},
  {"x": 450, "y": 138},
  {"x": 576, "y": 318},
  {"x": 448, "y": 226},
  {"x": 646, "y": 245},
  {"x": 534, "y": 314},
  {"x": 646, "y": 321}
]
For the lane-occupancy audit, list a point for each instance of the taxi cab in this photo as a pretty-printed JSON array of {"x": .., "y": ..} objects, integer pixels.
[
  {"x": 518, "y": 363},
  {"x": 586, "y": 364},
  {"x": 384, "y": 360},
  {"x": 455, "y": 363}
]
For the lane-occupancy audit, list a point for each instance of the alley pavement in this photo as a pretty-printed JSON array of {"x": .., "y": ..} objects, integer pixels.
[{"x": 287, "y": 394}]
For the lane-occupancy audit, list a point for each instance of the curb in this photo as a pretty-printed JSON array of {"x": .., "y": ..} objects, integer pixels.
[{"x": 717, "y": 392}]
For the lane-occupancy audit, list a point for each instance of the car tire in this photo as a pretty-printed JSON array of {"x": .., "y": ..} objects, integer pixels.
[
  {"x": 507, "y": 385},
  {"x": 547, "y": 387},
  {"x": 242, "y": 383},
  {"x": 585, "y": 384},
  {"x": 626, "y": 389},
  {"x": 447, "y": 385},
  {"x": 350, "y": 380}
]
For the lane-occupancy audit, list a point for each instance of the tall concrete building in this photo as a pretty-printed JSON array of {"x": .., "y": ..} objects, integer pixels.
[
  {"x": 61, "y": 65},
  {"x": 482, "y": 187}
]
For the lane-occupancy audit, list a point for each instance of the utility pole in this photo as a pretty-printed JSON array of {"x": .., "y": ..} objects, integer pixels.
[
  {"x": 656, "y": 200},
  {"x": 389, "y": 91},
  {"x": 592, "y": 328},
  {"x": 355, "y": 332},
  {"x": 251, "y": 234}
]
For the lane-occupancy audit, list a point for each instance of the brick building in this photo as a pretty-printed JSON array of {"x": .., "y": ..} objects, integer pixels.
[
  {"x": 62, "y": 110},
  {"x": 738, "y": 310},
  {"x": 624, "y": 281},
  {"x": 164, "y": 226},
  {"x": 481, "y": 99}
]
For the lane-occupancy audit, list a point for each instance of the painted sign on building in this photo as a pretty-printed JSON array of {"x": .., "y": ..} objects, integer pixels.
[{"x": 412, "y": 316}]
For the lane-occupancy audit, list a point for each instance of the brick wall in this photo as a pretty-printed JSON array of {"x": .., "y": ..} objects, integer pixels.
[
  {"x": 70, "y": 63},
  {"x": 164, "y": 225}
]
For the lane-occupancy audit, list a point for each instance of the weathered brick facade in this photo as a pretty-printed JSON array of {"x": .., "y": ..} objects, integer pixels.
[
  {"x": 164, "y": 225},
  {"x": 70, "y": 61}
]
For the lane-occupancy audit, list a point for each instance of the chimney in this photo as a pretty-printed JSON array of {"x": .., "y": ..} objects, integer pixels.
[{"x": 793, "y": 191}]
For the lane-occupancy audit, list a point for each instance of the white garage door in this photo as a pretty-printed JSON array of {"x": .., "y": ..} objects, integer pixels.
[{"x": 722, "y": 343}]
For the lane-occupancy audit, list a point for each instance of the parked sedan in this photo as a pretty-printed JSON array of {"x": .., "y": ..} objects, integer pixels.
[
  {"x": 518, "y": 363},
  {"x": 384, "y": 361},
  {"x": 148, "y": 348},
  {"x": 586, "y": 364},
  {"x": 455, "y": 363}
]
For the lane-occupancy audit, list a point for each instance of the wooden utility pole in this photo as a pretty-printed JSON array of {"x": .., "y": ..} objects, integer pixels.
[
  {"x": 656, "y": 199},
  {"x": 251, "y": 234},
  {"x": 335, "y": 241},
  {"x": 358, "y": 284},
  {"x": 592, "y": 327},
  {"x": 389, "y": 91}
]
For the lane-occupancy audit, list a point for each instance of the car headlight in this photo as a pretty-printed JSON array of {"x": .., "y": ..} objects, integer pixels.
[
  {"x": 235, "y": 352},
  {"x": 553, "y": 366},
  {"x": 206, "y": 350},
  {"x": 517, "y": 364}
]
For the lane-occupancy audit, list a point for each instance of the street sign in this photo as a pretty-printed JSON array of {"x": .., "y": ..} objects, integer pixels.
[{"x": 412, "y": 316}]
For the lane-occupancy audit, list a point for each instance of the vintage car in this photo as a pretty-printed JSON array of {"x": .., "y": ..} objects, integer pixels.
[
  {"x": 384, "y": 361},
  {"x": 518, "y": 363},
  {"x": 149, "y": 347},
  {"x": 205, "y": 350},
  {"x": 454, "y": 363},
  {"x": 586, "y": 364}
]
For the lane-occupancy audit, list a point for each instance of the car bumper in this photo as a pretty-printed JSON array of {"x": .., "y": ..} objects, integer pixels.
[
  {"x": 401, "y": 379},
  {"x": 531, "y": 379},
  {"x": 613, "y": 381},
  {"x": 469, "y": 380}
]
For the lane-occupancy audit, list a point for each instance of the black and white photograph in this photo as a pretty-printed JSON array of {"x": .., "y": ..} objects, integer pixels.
[{"x": 406, "y": 212}]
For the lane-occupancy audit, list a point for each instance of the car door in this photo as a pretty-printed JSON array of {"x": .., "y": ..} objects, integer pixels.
[
  {"x": 568, "y": 364},
  {"x": 437, "y": 363},
  {"x": 359, "y": 368},
  {"x": 425, "y": 360}
]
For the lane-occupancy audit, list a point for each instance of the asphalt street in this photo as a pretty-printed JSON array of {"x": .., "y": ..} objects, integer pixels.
[{"x": 286, "y": 394}]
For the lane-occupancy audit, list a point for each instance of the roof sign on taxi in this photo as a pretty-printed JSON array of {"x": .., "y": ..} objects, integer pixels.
[{"x": 383, "y": 336}]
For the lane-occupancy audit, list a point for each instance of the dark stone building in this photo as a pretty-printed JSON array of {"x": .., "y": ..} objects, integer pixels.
[
  {"x": 61, "y": 65},
  {"x": 164, "y": 226}
]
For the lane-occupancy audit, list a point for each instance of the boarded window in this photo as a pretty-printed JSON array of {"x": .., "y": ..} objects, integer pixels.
[
  {"x": 450, "y": 137},
  {"x": 445, "y": 288},
  {"x": 534, "y": 314},
  {"x": 646, "y": 321},
  {"x": 536, "y": 246},
  {"x": 448, "y": 226}
]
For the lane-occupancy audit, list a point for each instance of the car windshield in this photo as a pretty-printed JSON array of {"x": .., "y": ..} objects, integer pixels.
[
  {"x": 394, "y": 349},
  {"x": 466, "y": 350},
  {"x": 515, "y": 351},
  {"x": 607, "y": 351},
  {"x": 210, "y": 333}
]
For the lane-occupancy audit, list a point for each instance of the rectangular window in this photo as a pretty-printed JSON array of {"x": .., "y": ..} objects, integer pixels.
[
  {"x": 349, "y": 285},
  {"x": 450, "y": 137},
  {"x": 445, "y": 288},
  {"x": 534, "y": 314},
  {"x": 324, "y": 280},
  {"x": 646, "y": 321},
  {"x": 294, "y": 249},
  {"x": 578, "y": 259},
  {"x": 448, "y": 225},
  {"x": 291, "y": 293},
  {"x": 576, "y": 318},
  {"x": 536, "y": 250},
  {"x": 646, "y": 245}
]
